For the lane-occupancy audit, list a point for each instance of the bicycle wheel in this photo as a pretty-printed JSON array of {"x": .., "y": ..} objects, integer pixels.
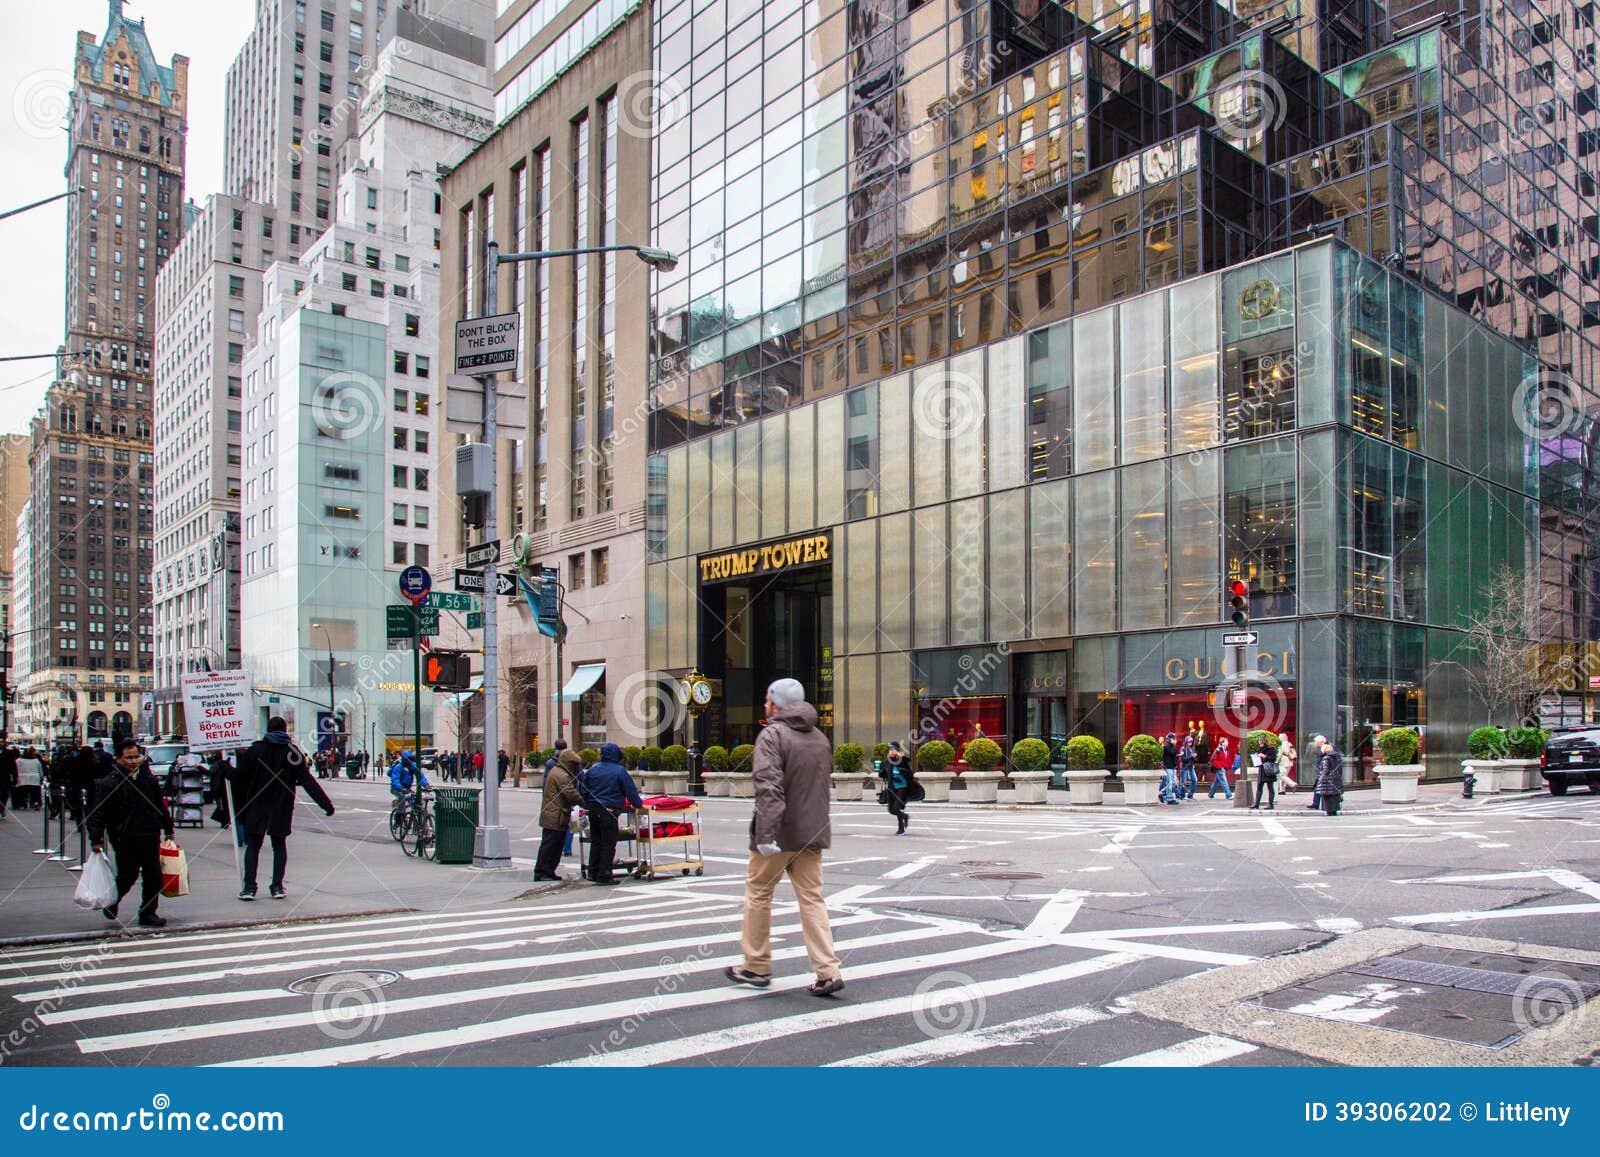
[
  {"x": 418, "y": 840},
  {"x": 399, "y": 822}
]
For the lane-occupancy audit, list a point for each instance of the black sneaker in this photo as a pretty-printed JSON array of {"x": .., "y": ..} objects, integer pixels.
[
  {"x": 110, "y": 913},
  {"x": 247, "y": 894},
  {"x": 152, "y": 922},
  {"x": 277, "y": 893}
]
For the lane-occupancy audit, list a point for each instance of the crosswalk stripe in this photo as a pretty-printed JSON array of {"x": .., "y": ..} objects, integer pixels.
[
  {"x": 1192, "y": 1053},
  {"x": 351, "y": 953},
  {"x": 957, "y": 1044},
  {"x": 841, "y": 1015},
  {"x": 461, "y": 1035},
  {"x": 474, "y": 967},
  {"x": 527, "y": 922},
  {"x": 192, "y": 1032}
]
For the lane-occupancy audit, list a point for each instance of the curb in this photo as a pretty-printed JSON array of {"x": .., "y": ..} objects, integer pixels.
[{"x": 129, "y": 933}]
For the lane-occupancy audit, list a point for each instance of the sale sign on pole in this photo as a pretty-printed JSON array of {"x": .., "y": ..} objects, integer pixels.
[{"x": 216, "y": 705}]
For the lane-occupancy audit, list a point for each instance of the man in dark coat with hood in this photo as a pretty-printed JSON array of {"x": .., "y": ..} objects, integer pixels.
[
  {"x": 606, "y": 789},
  {"x": 129, "y": 807},
  {"x": 269, "y": 771},
  {"x": 560, "y": 797}
]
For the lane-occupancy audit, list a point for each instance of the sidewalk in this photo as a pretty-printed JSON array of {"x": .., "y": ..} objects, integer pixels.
[{"x": 328, "y": 876}]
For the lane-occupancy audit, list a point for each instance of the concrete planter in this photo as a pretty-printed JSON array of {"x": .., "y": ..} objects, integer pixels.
[
  {"x": 1141, "y": 788},
  {"x": 1518, "y": 774},
  {"x": 744, "y": 784},
  {"x": 936, "y": 785},
  {"x": 1031, "y": 786},
  {"x": 846, "y": 785},
  {"x": 1397, "y": 783},
  {"x": 1487, "y": 772},
  {"x": 719, "y": 784},
  {"x": 1087, "y": 786},
  {"x": 982, "y": 786},
  {"x": 662, "y": 782}
]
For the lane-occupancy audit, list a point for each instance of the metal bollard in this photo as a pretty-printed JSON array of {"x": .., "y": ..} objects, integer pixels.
[
  {"x": 44, "y": 848},
  {"x": 61, "y": 856},
  {"x": 83, "y": 846}
]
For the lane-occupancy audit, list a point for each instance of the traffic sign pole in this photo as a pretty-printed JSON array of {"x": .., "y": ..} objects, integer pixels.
[
  {"x": 416, "y": 696},
  {"x": 491, "y": 843}
]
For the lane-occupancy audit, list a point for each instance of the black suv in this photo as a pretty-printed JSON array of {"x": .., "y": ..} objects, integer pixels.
[{"x": 1571, "y": 757}]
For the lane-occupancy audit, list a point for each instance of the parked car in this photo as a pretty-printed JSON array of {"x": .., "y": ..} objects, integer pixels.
[{"x": 1571, "y": 757}]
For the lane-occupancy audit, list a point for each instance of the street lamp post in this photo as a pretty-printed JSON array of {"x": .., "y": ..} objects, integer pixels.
[
  {"x": 333, "y": 708},
  {"x": 491, "y": 845}
]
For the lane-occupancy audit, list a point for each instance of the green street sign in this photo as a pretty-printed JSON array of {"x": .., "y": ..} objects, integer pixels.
[
  {"x": 451, "y": 601},
  {"x": 474, "y": 620},
  {"x": 397, "y": 619}
]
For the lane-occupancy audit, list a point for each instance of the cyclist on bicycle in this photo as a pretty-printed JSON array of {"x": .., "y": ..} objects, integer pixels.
[{"x": 403, "y": 773}]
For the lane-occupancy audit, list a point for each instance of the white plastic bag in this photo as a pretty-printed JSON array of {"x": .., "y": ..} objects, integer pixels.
[{"x": 97, "y": 884}]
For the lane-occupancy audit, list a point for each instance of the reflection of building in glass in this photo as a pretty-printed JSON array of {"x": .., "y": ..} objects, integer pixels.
[{"x": 1025, "y": 305}]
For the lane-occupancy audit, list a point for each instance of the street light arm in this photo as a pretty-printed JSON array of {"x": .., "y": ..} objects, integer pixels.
[
  {"x": 44, "y": 201},
  {"x": 661, "y": 259}
]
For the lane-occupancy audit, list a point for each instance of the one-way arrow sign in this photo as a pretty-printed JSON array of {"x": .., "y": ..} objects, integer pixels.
[
  {"x": 472, "y": 580},
  {"x": 482, "y": 553}
]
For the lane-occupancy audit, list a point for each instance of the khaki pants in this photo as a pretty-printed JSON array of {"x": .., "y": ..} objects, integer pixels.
[{"x": 805, "y": 877}]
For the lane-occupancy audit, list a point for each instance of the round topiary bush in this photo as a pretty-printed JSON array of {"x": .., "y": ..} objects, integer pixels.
[
  {"x": 650, "y": 758},
  {"x": 847, "y": 758},
  {"x": 674, "y": 758},
  {"x": 1085, "y": 752},
  {"x": 1398, "y": 746},
  {"x": 630, "y": 757},
  {"x": 717, "y": 758},
  {"x": 1030, "y": 755},
  {"x": 740, "y": 757},
  {"x": 1142, "y": 752},
  {"x": 982, "y": 755},
  {"x": 1259, "y": 741},
  {"x": 1526, "y": 742},
  {"x": 589, "y": 756},
  {"x": 1487, "y": 743},
  {"x": 935, "y": 755},
  {"x": 880, "y": 752}
]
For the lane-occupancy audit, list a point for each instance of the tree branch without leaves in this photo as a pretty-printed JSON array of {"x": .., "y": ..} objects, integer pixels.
[{"x": 1507, "y": 637}]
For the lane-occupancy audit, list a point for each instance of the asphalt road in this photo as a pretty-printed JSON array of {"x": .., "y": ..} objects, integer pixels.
[{"x": 1181, "y": 937}]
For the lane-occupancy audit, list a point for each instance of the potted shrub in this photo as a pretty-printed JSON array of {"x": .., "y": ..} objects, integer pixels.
[
  {"x": 1519, "y": 768},
  {"x": 717, "y": 758},
  {"x": 650, "y": 758},
  {"x": 1398, "y": 770},
  {"x": 880, "y": 752},
  {"x": 1141, "y": 779},
  {"x": 716, "y": 771},
  {"x": 1086, "y": 769},
  {"x": 1030, "y": 762},
  {"x": 982, "y": 781},
  {"x": 589, "y": 756},
  {"x": 630, "y": 757},
  {"x": 847, "y": 761},
  {"x": 669, "y": 774},
  {"x": 933, "y": 761},
  {"x": 1486, "y": 746},
  {"x": 741, "y": 757}
]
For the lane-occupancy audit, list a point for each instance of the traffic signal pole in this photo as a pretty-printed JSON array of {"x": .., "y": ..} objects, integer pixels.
[{"x": 491, "y": 843}]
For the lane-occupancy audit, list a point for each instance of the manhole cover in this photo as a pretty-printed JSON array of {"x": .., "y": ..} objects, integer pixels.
[
  {"x": 985, "y": 863},
  {"x": 1004, "y": 876},
  {"x": 1486, "y": 999},
  {"x": 322, "y": 982}
]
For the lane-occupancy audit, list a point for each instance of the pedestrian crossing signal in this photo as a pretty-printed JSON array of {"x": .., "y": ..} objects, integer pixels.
[
  {"x": 1239, "y": 602},
  {"x": 447, "y": 670}
]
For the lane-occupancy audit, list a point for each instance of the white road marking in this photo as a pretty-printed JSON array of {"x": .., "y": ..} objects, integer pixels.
[
  {"x": 458, "y": 1036},
  {"x": 904, "y": 870},
  {"x": 1056, "y": 914},
  {"x": 1496, "y": 914},
  {"x": 1277, "y": 829},
  {"x": 1200, "y": 1050},
  {"x": 839, "y": 1015},
  {"x": 957, "y": 1044}
]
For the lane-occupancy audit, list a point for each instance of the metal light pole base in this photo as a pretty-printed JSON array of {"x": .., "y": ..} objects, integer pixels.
[{"x": 491, "y": 848}]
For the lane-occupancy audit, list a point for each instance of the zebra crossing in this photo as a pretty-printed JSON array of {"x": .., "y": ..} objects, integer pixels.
[{"x": 629, "y": 977}]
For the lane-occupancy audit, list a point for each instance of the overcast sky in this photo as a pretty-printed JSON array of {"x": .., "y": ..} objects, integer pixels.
[{"x": 35, "y": 76}]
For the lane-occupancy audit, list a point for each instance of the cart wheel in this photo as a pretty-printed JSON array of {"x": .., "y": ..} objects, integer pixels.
[
  {"x": 699, "y": 871},
  {"x": 686, "y": 871}
]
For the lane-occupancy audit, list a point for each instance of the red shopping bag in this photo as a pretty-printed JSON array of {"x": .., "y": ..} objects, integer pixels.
[{"x": 174, "y": 870}]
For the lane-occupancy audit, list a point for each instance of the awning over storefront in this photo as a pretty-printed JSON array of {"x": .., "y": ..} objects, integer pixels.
[
  {"x": 585, "y": 677},
  {"x": 458, "y": 699}
]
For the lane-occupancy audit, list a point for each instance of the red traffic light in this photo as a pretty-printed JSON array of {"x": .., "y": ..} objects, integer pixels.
[
  {"x": 1239, "y": 589},
  {"x": 1239, "y": 602}
]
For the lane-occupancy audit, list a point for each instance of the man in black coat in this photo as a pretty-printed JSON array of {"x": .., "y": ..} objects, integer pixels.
[
  {"x": 264, "y": 786},
  {"x": 129, "y": 807},
  {"x": 84, "y": 773}
]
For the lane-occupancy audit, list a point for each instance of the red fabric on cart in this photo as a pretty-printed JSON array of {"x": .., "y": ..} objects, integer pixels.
[
  {"x": 668, "y": 803},
  {"x": 670, "y": 829}
]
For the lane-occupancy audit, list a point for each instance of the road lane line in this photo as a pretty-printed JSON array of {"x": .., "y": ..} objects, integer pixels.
[
  {"x": 840, "y": 1015},
  {"x": 959, "y": 1044},
  {"x": 1201, "y": 1050},
  {"x": 911, "y": 869},
  {"x": 1495, "y": 914}
]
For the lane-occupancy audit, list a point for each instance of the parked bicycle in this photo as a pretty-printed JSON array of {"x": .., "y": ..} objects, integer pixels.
[{"x": 411, "y": 822}]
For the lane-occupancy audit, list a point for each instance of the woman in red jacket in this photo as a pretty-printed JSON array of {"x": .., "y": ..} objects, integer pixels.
[{"x": 1221, "y": 761}]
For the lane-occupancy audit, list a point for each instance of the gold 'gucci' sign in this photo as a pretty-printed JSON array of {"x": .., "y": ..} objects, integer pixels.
[{"x": 767, "y": 559}]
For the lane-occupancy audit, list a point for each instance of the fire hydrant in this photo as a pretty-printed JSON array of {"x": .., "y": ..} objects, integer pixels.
[{"x": 1468, "y": 782}]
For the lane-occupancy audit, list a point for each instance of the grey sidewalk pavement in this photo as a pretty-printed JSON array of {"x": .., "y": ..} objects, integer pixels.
[{"x": 328, "y": 875}]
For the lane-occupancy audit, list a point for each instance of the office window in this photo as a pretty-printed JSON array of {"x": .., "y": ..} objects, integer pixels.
[
  {"x": 413, "y": 325},
  {"x": 421, "y": 441},
  {"x": 420, "y": 479},
  {"x": 236, "y": 321},
  {"x": 422, "y": 366},
  {"x": 398, "y": 553},
  {"x": 421, "y": 403},
  {"x": 600, "y": 566},
  {"x": 400, "y": 477},
  {"x": 402, "y": 361},
  {"x": 575, "y": 572},
  {"x": 401, "y": 400},
  {"x": 401, "y": 437},
  {"x": 419, "y": 517},
  {"x": 398, "y": 517}
]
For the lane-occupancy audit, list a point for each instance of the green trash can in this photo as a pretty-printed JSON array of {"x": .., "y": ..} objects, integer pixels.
[{"x": 455, "y": 820}]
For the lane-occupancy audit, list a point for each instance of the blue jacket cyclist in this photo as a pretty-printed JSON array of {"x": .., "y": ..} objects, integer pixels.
[{"x": 401, "y": 773}]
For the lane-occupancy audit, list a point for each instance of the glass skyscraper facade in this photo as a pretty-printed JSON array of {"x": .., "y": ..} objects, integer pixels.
[{"x": 1038, "y": 322}]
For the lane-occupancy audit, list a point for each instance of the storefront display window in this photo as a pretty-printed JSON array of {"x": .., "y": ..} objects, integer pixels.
[{"x": 1259, "y": 480}]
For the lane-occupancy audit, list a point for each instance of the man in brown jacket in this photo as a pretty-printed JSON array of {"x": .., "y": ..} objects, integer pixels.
[
  {"x": 793, "y": 764},
  {"x": 560, "y": 797}
]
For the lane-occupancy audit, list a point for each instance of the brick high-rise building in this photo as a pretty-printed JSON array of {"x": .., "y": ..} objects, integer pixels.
[{"x": 92, "y": 475}]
